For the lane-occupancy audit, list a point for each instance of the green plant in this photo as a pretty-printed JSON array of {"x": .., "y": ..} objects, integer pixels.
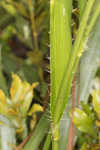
[
  {"x": 87, "y": 120},
  {"x": 64, "y": 56},
  {"x": 74, "y": 49},
  {"x": 64, "y": 59},
  {"x": 14, "y": 111}
]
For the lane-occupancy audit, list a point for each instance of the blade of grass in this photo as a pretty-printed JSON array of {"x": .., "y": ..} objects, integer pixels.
[
  {"x": 32, "y": 18},
  {"x": 88, "y": 66},
  {"x": 64, "y": 128},
  {"x": 65, "y": 123},
  {"x": 39, "y": 133},
  {"x": 47, "y": 142},
  {"x": 82, "y": 4},
  {"x": 61, "y": 46},
  {"x": 61, "y": 43},
  {"x": 64, "y": 90},
  {"x": 71, "y": 131},
  {"x": 90, "y": 62},
  {"x": 94, "y": 18}
]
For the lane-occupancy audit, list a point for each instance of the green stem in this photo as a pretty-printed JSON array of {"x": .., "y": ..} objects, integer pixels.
[
  {"x": 90, "y": 26},
  {"x": 55, "y": 134},
  {"x": 39, "y": 133},
  {"x": 3, "y": 84},
  {"x": 32, "y": 17},
  {"x": 47, "y": 142},
  {"x": 65, "y": 87},
  {"x": 82, "y": 5},
  {"x": 55, "y": 145},
  {"x": 93, "y": 19}
]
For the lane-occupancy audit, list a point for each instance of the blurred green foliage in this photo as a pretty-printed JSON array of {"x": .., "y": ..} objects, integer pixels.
[
  {"x": 87, "y": 121},
  {"x": 24, "y": 47},
  {"x": 20, "y": 26}
]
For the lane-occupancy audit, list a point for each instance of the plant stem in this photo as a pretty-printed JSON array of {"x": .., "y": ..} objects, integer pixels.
[
  {"x": 39, "y": 133},
  {"x": 71, "y": 67},
  {"x": 32, "y": 18},
  {"x": 55, "y": 145},
  {"x": 93, "y": 20},
  {"x": 78, "y": 97},
  {"x": 71, "y": 132},
  {"x": 3, "y": 84},
  {"x": 55, "y": 134},
  {"x": 47, "y": 142},
  {"x": 19, "y": 147}
]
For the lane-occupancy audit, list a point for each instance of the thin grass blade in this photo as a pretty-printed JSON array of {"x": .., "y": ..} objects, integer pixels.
[
  {"x": 39, "y": 133},
  {"x": 61, "y": 43}
]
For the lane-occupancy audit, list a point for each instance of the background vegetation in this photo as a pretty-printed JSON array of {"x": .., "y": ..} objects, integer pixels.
[{"x": 49, "y": 74}]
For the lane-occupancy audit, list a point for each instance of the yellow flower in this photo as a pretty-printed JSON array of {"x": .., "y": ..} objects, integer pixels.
[
  {"x": 16, "y": 88},
  {"x": 35, "y": 108},
  {"x": 21, "y": 93},
  {"x": 27, "y": 99},
  {"x": 3, "y": 104},
  {"x": 16, "y": 107},
  {"x": 2, "y": 97}
]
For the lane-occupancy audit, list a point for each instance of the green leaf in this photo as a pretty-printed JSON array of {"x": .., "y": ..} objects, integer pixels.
[
  {"x": 82, "y": 4},
  {"x": 85, "y": 146},
  {"x": 61, "y": 44},
  {"x": 88, "y": 66},
  {"x": 8, "y": 7},
  {"x": 84, "y": 80},
  {"x": 7, "y": 134},
  {"x": 39, "y": 133},
  {"x": 47, "y": 142},
  {"x": 5, "y": 19},
  {"x": 65, "y": 87},
  {"x": 64, "y": 128},
  {"x": 90, "y": 62},
  {"x": 83, "y": 122}
]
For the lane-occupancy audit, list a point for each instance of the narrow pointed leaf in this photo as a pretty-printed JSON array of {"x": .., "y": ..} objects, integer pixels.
[
  {"x": 65, "y": 87},
  {"x": 82, "y": 4},
  {"x": 90, "y": 62},
  {"x": 39, "y": 133},
  {"x": 61, "y": 43}
]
